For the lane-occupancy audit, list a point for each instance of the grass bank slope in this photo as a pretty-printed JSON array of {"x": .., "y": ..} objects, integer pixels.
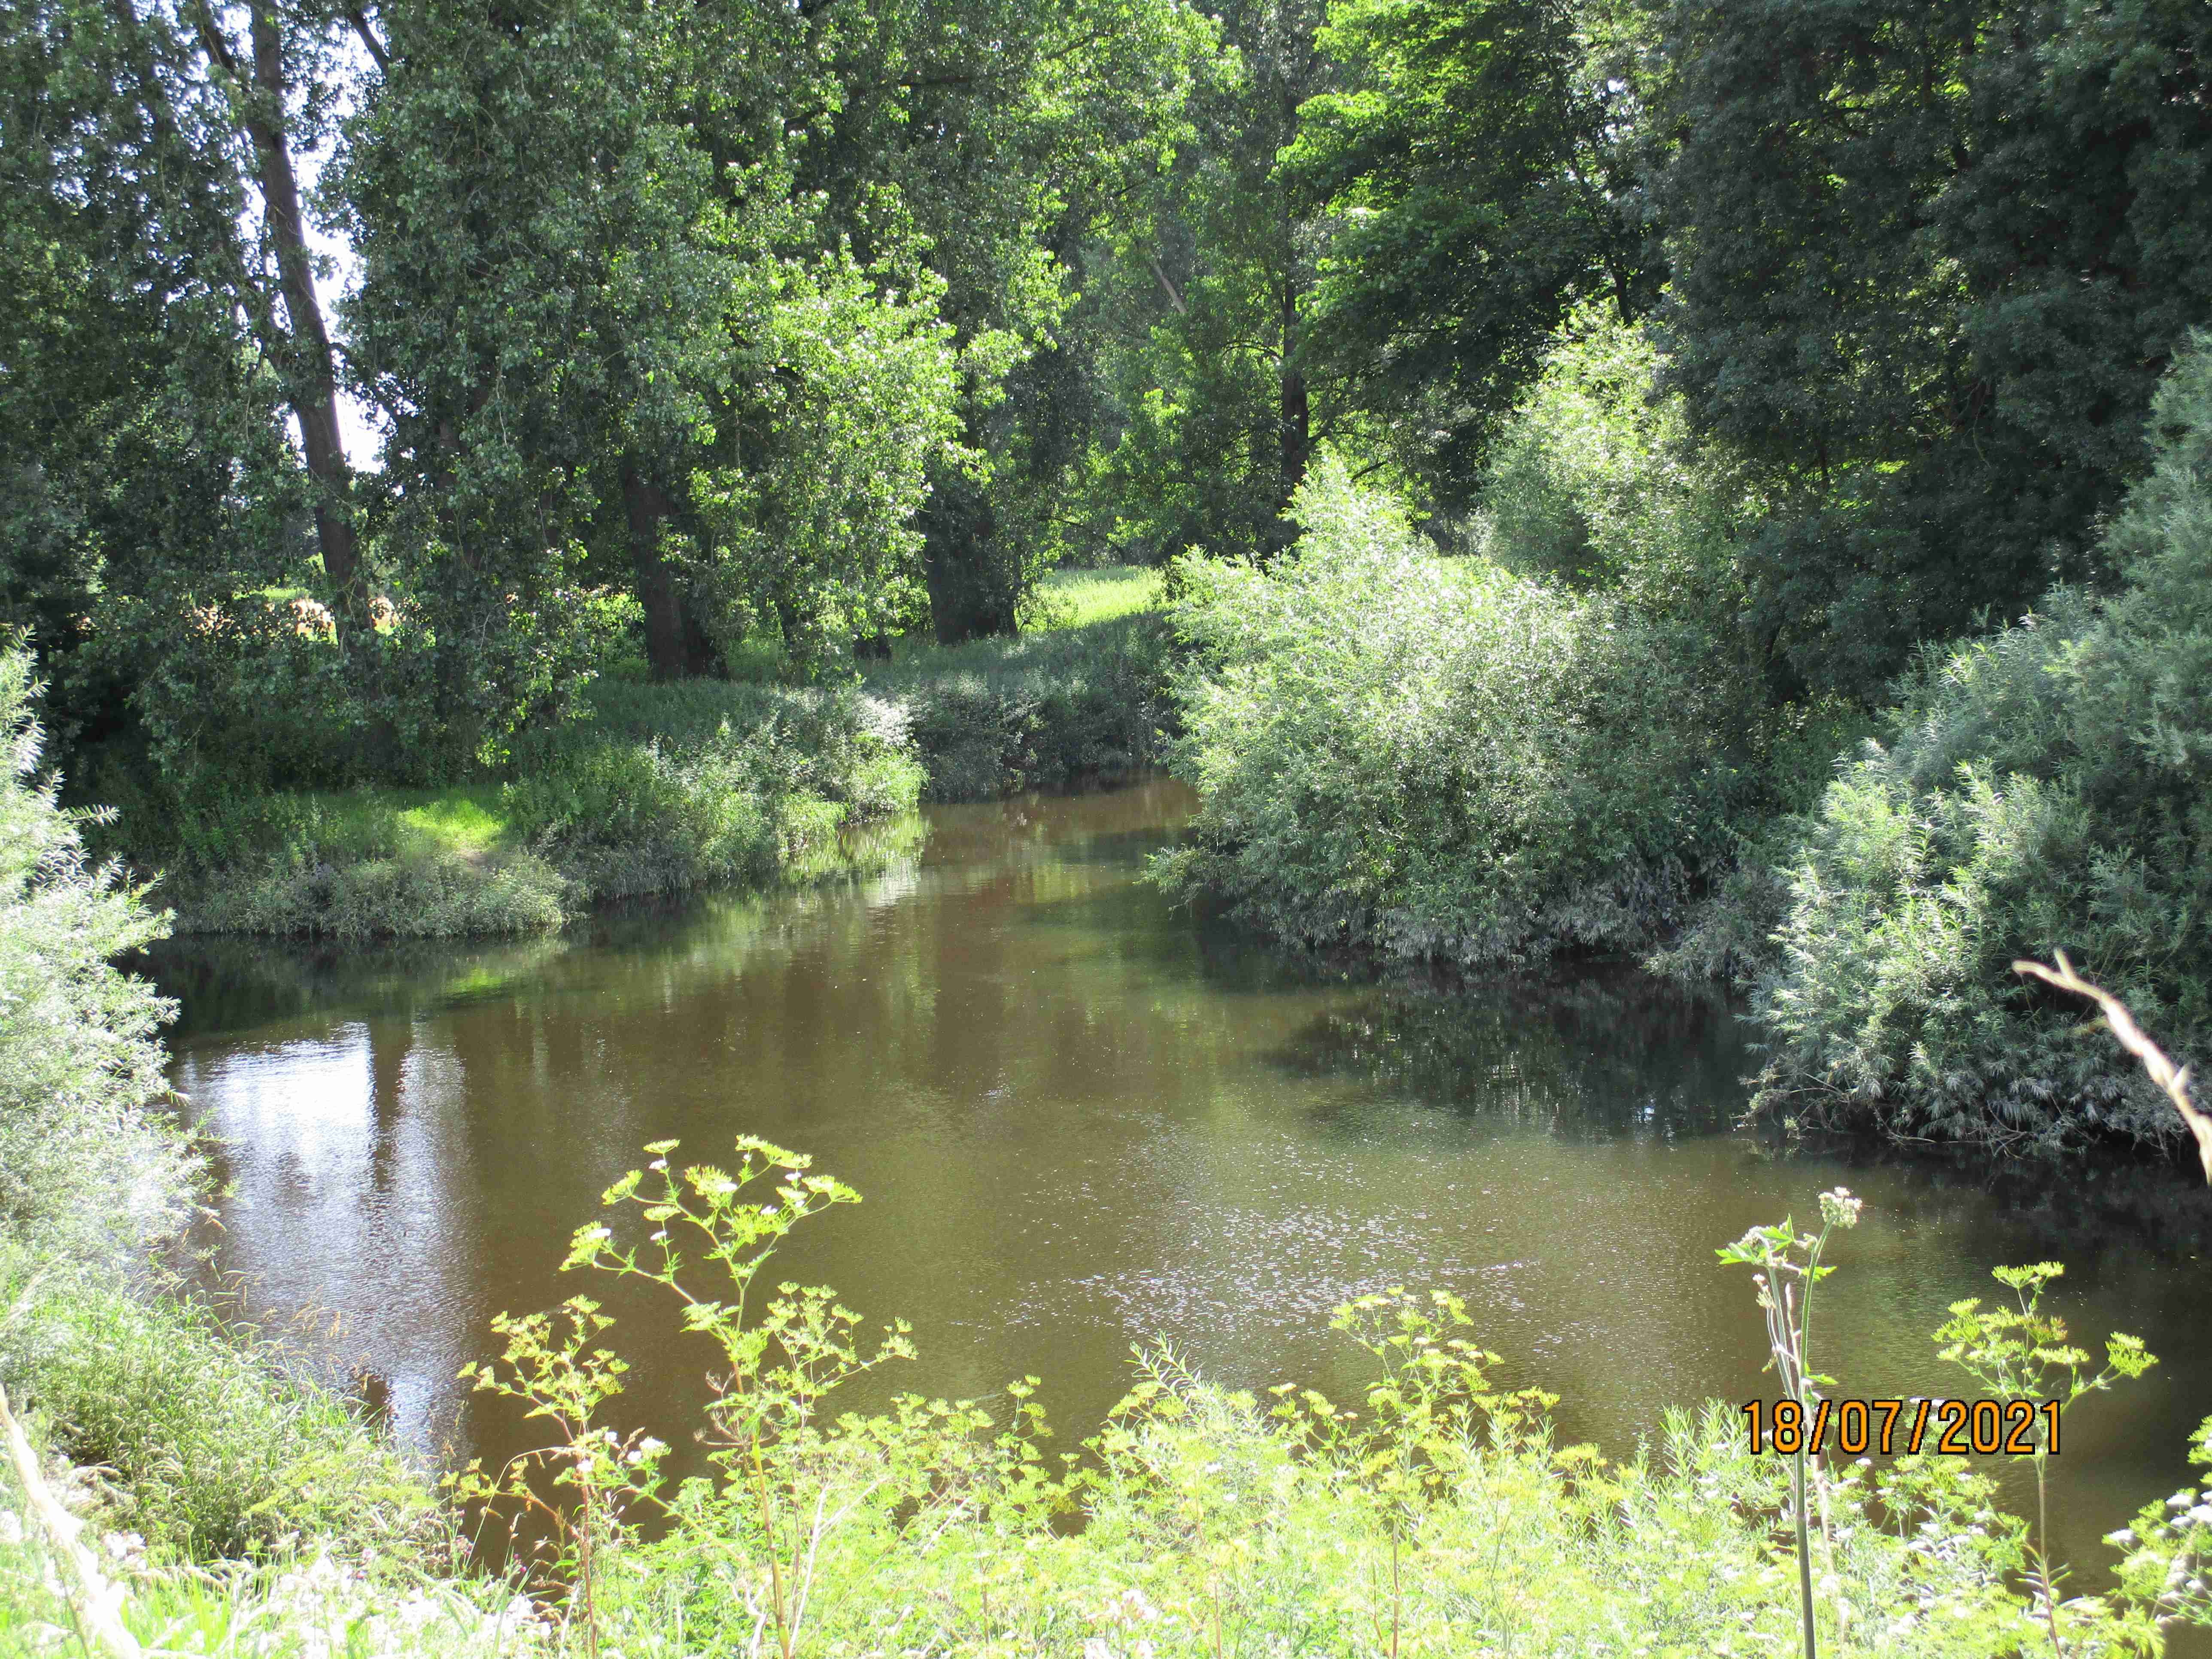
[
  {"x": 672, "y": 787},
  {"x": 1080, "y": 695}
]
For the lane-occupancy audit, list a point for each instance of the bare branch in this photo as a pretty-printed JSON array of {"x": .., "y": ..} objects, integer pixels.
[
  {"x": 359, "y": 19},
  {"x": 2173, "y": 1079},
  {"x": 1175, "y": 296}
]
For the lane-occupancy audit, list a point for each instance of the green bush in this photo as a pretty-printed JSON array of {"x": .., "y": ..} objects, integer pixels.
[
  {"x": 1596, "y": 480},
  {"x": 392, "y": 898},
  {"x": 836, "y": 743},
  {"x": 83, "y": 1166},
  {"x": 674, "y": 786},
  {"x": 353, "y": 865},
  {"x": 656, "y": 789},
  {"x": 2040, "y": 788},
  {"x": 1436, "y": 758},
  {"x": 631, "y": 818}
]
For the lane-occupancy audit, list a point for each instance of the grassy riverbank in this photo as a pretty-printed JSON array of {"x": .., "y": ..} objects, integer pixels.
[
  {"x": 669, "y": 788},
  {"x": 1082, "y": 695}
]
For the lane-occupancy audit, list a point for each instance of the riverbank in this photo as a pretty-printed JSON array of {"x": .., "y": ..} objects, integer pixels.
[
  {"x": 1562, "y": 742},
  {"x": 672, "y": 788},
  {"x": 1082, "y": 697},
  {"x": 1441, "y": 1511}
]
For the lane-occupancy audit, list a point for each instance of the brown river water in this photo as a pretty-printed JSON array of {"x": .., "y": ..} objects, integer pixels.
[{"x": 1082, "y": 1119}]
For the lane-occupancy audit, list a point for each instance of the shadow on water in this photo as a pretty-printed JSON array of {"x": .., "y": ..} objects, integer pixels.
[{"x": 1608, "y": 1057}]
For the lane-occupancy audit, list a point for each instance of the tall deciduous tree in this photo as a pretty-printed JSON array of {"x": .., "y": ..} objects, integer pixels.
[
  {"x": 1928, "y": 261},
  {"x": 1219, "y": 402},
  {"x": 145, "y": 481},
  {"x": 614, "y": 338},
  {"x": 268, "y": 83},
  {"x": 1012, "y": 131},
  {"x": 1482, "y": 171}
]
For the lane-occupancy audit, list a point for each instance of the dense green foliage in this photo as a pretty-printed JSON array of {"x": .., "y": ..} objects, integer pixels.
[
  {"x": 652, "y": 789},
  {"x": 1751, "y": 350},
  {"x": 1927, "y": 265},
  {"x": 2040, "y": 788},
  {"x": 1478, "y": 171},
  {"x": 205, "y": 1450},
  {"x": 1439, "y": 757},
  {"x": 668, "y": 787},
  {"x": 80, "y": 1166},
  {"x": 1050, "y": 708}
]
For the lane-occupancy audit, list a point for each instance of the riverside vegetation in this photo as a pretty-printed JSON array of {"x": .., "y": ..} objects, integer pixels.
[
  {"x": 663, "y": 789},
  {"x": 1560, "y": 432},
  {"x": 232, "y": 1507},
  {"x": 197, "y": 1494},
  {"x": 1547, "y": 745}
]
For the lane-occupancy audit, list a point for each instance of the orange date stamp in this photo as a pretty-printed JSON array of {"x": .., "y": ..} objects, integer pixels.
[{"x": 1987, "y": 1428}]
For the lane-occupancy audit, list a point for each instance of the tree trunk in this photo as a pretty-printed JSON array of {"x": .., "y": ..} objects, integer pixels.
[
  {"x": 1293, "y": 415},
  {"x": 1294, "y": 420},
  {"x": 647, "y": 506},
  {"x": 313, "y": 383}
]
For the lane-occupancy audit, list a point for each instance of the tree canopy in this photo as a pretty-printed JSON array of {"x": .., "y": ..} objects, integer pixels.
[{"x": 703, "y": 333}]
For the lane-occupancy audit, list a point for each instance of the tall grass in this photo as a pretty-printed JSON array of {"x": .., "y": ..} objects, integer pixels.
[{"x": 654, "y": 789}]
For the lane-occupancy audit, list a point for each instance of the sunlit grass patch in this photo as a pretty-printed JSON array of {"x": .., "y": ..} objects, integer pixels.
[
  {"x": 457, "y": 820},
  {"x": 1075, "y": 599}
]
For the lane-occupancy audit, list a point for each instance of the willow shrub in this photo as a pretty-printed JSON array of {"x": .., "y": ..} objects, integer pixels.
[
  {"x": 84, "y": 1167},
  {"x": 1438, "y": 757},
  {"x": 2041, "y": 788}
]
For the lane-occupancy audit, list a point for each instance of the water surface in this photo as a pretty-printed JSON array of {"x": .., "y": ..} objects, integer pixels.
[{"x": 1084, "y": 1120}]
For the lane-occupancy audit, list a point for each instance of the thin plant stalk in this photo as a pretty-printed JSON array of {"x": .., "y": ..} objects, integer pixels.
[{"x": 1785, "y": 1259}]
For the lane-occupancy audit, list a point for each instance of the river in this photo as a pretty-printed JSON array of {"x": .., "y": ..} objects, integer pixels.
[{"x": 1084, "y": 1120}]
